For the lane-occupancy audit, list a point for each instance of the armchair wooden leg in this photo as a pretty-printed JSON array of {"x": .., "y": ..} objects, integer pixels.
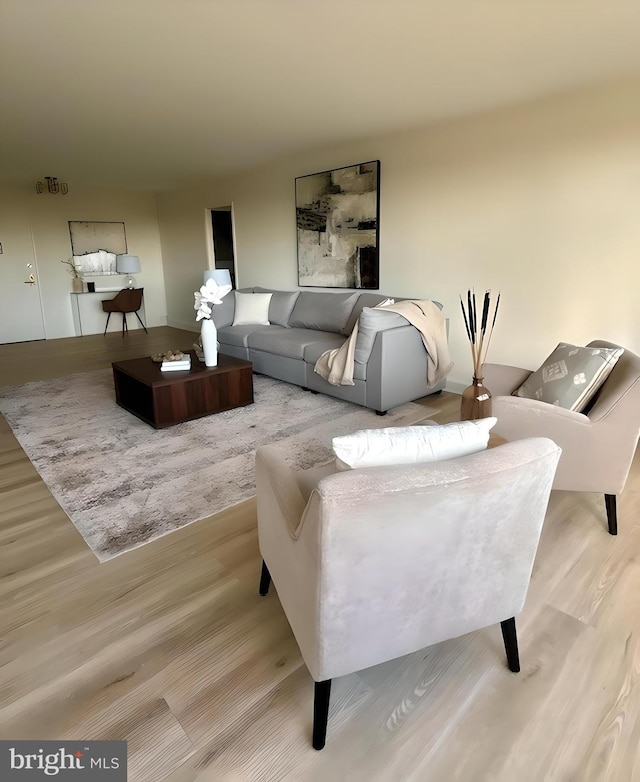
[
  {"x": 124, "y": 323},
  {"x": 265, "y": 579},
  {"x": 612, "y": 513},
  {"x": 107, "y": 324},
  {"x": 321, "y": 695},
  {"x": 511, "y": 644},
  {"x": 141, "y": 323}
]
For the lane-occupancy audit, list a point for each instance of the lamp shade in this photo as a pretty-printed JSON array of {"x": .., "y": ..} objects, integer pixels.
[
  {"x": 221, "y": 276},
  {"x": 127, "y": 264}
]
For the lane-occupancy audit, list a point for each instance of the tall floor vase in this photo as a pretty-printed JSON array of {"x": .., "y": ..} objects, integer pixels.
[
  {"x": 476, "y": 401},
  {"x": 209, "y": 334}
]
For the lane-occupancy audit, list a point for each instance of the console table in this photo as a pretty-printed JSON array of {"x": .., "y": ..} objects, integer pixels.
[{"x": 88, "y": 316}]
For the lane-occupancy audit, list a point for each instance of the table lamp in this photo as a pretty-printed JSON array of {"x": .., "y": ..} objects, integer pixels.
[
  {"x": 129, "y": 265},
  {"x": 221, "y": 276}
]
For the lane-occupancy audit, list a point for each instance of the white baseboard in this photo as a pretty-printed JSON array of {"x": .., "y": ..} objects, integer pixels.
[
  {"x": 190, "y": 326},
  {"x": 455, "y": 388}
]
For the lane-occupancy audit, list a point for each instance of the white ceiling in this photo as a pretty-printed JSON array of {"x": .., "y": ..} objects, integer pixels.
[{"x": 152, "y": 93}]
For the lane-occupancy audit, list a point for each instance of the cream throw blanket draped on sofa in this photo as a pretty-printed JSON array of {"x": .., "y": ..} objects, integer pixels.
[{"x": 336, "y": 366}]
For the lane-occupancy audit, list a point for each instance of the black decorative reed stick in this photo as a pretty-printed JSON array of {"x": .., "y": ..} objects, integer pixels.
[{"x": 479, "y": 338}]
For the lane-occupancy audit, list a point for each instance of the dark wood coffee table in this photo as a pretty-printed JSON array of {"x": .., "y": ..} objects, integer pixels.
[{"x": 166, "y": 398}]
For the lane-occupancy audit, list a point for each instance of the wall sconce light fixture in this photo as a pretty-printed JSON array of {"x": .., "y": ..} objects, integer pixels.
[{"x": 51, "y": 185}]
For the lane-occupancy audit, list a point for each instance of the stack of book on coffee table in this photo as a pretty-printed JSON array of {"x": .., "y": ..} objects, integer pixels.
[{"x": 176, "y": 365}]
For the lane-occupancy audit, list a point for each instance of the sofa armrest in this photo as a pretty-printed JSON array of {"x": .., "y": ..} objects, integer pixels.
[
  {"x": 586, "y": 464},
  {"x": 502, "y": 379},
  {"x": 373, "y": 320},
  {"x": 397, "y": 369},
  {"x": 542, "y": 418}
]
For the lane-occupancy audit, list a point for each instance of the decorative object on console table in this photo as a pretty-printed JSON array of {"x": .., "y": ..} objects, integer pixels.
[
  {"x": 476, "y": 398},
  {"x": 129, "y": 265},
  {"x": 210, "y": 294},
  {"x": 338, "y": 227},
  {"x": 99, "y": 263},
  {"x": 76, "y": 282}
]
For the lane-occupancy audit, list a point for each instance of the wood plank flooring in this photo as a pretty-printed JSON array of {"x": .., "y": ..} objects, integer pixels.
[{"x": 170, "y": 647}]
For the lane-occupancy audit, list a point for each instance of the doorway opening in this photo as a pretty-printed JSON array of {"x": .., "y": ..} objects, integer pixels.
[{"x": 223, "y": 244}]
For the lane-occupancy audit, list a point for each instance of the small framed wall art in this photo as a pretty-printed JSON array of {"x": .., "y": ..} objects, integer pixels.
[{"x": 338, "y": 227}]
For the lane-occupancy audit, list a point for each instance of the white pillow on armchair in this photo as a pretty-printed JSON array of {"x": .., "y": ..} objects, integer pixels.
[{"x": 411, "y": 444}]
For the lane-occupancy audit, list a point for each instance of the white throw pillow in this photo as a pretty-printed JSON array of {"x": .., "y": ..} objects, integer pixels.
[
  {"x": 252, "y": 308},
  {"x": 411, "y": 444}
]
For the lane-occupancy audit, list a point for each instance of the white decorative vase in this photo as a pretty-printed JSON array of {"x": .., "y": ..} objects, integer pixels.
[{"x": 209, "y": 334}]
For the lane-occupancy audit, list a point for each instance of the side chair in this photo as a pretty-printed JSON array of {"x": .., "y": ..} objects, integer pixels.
[
  {"x": 126, "y": 300},
  {"x": 372, "y": 564},
  {"x": 598, "y": 445}
]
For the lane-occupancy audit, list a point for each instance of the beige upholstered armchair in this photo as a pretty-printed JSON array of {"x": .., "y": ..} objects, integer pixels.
[
  {"x": 372, "y": 564},
  {"x": 597, "y": 446}
]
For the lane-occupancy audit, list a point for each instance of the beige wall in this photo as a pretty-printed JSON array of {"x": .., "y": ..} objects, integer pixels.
[
  {"x": 538, "y": 201},
  {"x": 42, "y": 235}
]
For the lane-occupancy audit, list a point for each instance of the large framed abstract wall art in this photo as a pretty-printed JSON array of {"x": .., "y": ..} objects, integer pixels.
[
  {"x": 338, "y": 227},
  {"x": 95, "y": 245}
]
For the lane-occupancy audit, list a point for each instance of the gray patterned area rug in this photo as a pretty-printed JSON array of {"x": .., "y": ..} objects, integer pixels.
[{"x": 123, "y": 483}]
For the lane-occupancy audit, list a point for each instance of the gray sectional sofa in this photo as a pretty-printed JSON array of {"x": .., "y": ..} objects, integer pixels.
[{"x": 390, "y": 358}]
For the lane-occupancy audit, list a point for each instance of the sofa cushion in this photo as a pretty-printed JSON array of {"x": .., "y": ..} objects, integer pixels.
[
  {"x": 322, "y": 311},
  {"x": 570, "y": 376},
  {"x": 364, "y": 300},
  {"x": 252, "y": 308},
  {"x": 239, "y": 335},
  {"x": 281, "y": 307},
  {"x": 290, "y": 343},
  {"x": 325, "y": 341},
  {"x": 330, "y": 342},
  {"x": 371, "y": 322},
  {"x": 411, "y": 444}
]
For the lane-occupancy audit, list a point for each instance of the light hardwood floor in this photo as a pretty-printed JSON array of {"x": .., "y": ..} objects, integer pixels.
[{"x": 170, "y": 646}]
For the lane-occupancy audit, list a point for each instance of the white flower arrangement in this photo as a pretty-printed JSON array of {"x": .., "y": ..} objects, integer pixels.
[{"x": 207, "y": 297}]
